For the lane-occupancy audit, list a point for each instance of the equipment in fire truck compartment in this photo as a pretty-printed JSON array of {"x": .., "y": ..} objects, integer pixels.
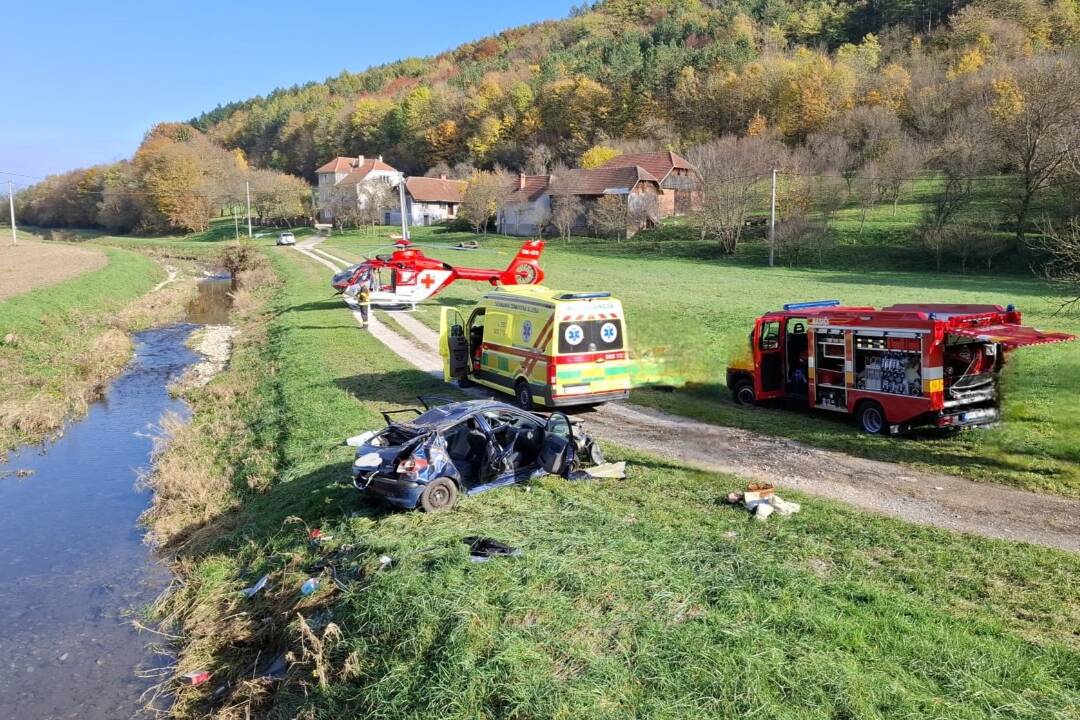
[
  {"x": 829, "y": 370},
  {"x": 889, "y": 364}
]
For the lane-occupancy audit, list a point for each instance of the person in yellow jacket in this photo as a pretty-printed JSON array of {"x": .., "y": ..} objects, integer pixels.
[{"x": 363, "y": 298}]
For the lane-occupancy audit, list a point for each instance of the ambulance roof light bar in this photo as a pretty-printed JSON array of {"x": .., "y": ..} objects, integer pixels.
[
  {"x": 810, "y": 305},
  {"x": 583, "y": 295}
]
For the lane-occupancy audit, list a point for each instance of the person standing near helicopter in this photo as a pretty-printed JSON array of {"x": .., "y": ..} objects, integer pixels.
[{"x": 363, "y": 300}]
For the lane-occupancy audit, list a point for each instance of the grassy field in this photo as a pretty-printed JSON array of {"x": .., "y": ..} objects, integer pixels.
[
  {"x": 70, "y": 339},
  {"x": 684, "y": 302},
  {"x": 638, "y": 598}
]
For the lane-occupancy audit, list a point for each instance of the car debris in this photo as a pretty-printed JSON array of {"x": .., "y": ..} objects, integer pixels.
[
  {"x": 466, "y": 245},
  {"x": 762, "y": 501},
  {"x": 482, "y": 549},
  {"x": 254, "y": 589},
  {"x": 310, "y": 585},
  {"x": 197, "y": 678},
  {"x": 464, "y": 448},
  {"x": 606, "y": 471}
]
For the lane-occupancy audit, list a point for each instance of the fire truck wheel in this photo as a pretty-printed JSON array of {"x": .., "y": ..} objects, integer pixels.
[
  {"x": 438, "y": 496},
  {"x": 871, "y": 418},
  {"x": 523, "y": 395},
  {"x": 743, "y": 393}
]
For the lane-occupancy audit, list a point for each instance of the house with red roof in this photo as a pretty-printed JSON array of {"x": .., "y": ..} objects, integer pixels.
[
  {"x": 680, "y": 183},
  {"x": 527, "y": 210},
  {"x": 430, "y": 200},
  {"x": 351, "y": 174}
]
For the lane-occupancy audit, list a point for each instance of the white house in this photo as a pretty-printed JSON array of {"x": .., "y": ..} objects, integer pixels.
[
  {"x": 343, "y": 172},
  {"x": 430, "y": 200}
]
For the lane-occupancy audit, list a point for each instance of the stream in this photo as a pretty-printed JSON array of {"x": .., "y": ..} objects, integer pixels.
[{"x": 74, "y": 570}]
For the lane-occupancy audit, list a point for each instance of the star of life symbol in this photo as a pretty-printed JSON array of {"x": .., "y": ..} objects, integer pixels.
[
  {"x": 574, "y": 334},
  {"x": 609, "y": 332},
  {"x": 526, "y": 330}
]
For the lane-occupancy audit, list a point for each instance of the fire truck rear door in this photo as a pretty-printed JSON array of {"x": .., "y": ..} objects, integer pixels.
[{"x": 769, "y": 358}]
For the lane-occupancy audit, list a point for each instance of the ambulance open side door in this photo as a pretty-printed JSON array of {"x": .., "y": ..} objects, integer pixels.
[{"x": 453, "y": 344}]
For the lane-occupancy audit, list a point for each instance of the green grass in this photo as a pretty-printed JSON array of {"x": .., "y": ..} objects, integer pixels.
[
  {"x": 684, "y": 302},
  {"x": 47, "y": 372},
  {"x": 646, "y": 597}
]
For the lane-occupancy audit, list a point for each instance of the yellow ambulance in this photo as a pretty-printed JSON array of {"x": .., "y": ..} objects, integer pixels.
[{"x": 546, "y": 347}]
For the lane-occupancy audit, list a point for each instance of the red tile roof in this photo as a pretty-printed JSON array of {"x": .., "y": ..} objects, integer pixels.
[
  {"x": 601, "y": 181},
  {"x": 660, "y": 163},
  {"x": 351, "y": 166},
  {"x": 535, "y": 187},
  {"x": 425, "y": 189}
]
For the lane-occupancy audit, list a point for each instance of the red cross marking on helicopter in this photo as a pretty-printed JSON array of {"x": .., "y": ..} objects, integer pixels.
[{"x": 427, "y": 281}]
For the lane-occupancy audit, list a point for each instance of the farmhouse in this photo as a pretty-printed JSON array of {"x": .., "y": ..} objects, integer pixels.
[
  {"x": 430, "y": 200},
  {"x": 527, "y": 211},
  {"x": 351, "y": 174},
  {"x": 680, "y": 183}
]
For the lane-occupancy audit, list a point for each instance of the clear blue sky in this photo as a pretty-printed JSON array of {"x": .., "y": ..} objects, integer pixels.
[{"x": 87, "y": 79}]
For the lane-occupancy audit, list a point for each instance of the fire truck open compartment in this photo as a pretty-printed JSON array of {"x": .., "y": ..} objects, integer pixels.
[{"x": 892, "y": 369}]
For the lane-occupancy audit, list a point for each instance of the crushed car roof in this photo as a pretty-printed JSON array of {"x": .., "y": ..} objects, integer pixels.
[{"x": 442, "y": 415}]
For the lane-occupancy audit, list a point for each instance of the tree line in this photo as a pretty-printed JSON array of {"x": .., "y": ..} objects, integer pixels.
[{"x": 177, "y": 181}]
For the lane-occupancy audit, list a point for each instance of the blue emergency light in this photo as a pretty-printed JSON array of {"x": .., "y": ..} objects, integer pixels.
[{"x": 809, "y": 305}]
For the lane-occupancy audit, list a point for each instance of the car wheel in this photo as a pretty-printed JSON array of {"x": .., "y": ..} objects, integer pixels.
[
  {"x": 523, "y": 395},
  {"x": 596, "y": 455},
  {"x": 743, "y": 393},
  {"x": 438, "y": 495},
  {"x": 871, "y": 418}
]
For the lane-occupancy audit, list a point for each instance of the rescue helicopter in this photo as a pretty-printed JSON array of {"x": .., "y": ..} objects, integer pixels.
[{"x": 407, "y": 276}]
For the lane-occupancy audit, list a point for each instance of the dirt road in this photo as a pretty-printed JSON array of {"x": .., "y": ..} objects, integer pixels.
[
  {"x": 945, "y": 501},
  {"x": 32, "y": 264}
]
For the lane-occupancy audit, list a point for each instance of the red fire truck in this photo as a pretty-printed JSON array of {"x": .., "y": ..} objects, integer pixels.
[{"x": 892, "y": 369}]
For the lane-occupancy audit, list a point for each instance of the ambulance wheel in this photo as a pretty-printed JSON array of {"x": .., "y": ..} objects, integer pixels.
[
  {"x": 523, "y": 395},
  {"x": 743, "y": 393},
  {"x": 871, "y": 418},
  {"x": 465, "y": 383},
  {"x": 438, "y": 496}
]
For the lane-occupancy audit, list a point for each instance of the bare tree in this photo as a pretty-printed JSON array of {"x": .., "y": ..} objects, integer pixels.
[
  {"x": 539, "y": 159},
  {"x": 897, "y": 167},
  {"x": 344, "y": 206},
  {"x": 732, "y": 171},
  {"x": 376, "y": 199},
  {"x": 566, "y": 210},
  {"x": 1062, "y": 268},
  {"x": 1035, "y": 118},
  {"x": 440, "y": 169},
  {"x": 960, "y": 158},
  {"x": 610, "y": 215}
]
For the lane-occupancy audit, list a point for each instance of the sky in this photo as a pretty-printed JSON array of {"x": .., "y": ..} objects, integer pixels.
[{"x": 86, "y": 80}]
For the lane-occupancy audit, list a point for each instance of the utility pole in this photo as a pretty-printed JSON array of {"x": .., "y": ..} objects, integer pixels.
[
  {"x": 11, "y": 207},
  {"x": 404, "y": 221},
  {"x": 236, "y": 225},
  {"x": 247, "y": 189},
  {"x": 772, "y": 222}
]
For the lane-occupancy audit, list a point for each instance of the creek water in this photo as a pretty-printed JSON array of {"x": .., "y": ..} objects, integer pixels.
[{"x": 73, "y": 566}]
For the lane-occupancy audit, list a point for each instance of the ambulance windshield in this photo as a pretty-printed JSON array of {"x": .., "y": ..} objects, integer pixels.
[{"x": 585, "y": 336}]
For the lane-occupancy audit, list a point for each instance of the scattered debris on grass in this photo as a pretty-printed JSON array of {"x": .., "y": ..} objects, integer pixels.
[
  {"x": 254, "y": 589},
  {"x": 610, "y": 471},
  {"x": 197, "y": 678},
  {"x": 482, "y": 549},
  {"x": 762, "y": 501}
]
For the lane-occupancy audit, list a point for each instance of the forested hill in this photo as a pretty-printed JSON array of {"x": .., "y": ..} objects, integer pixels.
[{"x": 671, "y": 73}]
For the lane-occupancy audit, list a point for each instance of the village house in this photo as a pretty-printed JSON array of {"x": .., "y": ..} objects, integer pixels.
[
  {"x": 680, "y": 183},
  {"x": 430, "y": 200},
  {"x": 527, "y": 211},
  {"x": 352, "y": 174}
]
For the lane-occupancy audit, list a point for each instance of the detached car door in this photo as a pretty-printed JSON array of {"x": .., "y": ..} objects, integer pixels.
[{"x": 557, "y": 452}]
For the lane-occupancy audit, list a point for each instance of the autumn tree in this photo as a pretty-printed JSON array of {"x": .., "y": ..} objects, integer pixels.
[
  {"x": 596, "y": 156},
  {"x": 483, "y": 196}
]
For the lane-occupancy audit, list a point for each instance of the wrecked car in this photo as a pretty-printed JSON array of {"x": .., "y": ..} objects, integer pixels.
[{"x": 464, "y": 448}]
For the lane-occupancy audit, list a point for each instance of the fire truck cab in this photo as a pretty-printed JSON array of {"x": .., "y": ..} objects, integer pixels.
[{"x": 891, "y": 369}]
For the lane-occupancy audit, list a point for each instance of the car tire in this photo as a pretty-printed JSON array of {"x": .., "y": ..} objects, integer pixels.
[
  {"x": 438, "y": 496},
  {"x": 871, "y": 418},
  {"x": 523, "y": 395},
  {"x": 742, "y": 392},
  {"x": 465, "y": 383}
]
